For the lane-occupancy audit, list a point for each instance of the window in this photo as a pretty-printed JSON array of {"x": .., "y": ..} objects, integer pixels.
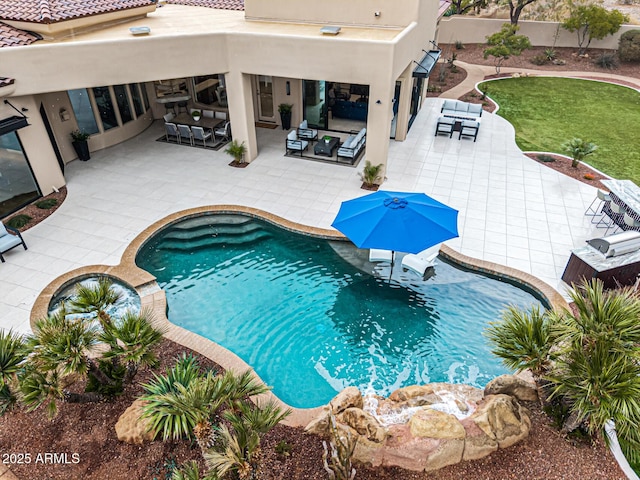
[
  {"x": 137, "y": 99},
  {"x": 105, "y": 107},
  {"x": 210, "y": 90},
  {"x": 83, "y": 110},
  {"x": 122, "y": 99},
  {"x": 18, "y": 186}
]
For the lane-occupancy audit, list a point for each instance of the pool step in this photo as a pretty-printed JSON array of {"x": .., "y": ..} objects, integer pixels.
[{"x": 200, "y": 235}]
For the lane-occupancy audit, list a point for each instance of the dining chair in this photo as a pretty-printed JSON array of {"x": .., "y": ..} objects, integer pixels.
[
  {"x": 185, "y": 132},
  {"x": 615, "y": 210},
  {"x": 630, "y": 222},
  {"x": 171, "y": 130},
  {"x": 224, "y": 132},
  {"x": 595, "y": 209},
  {"x": 201, "y": 135}
]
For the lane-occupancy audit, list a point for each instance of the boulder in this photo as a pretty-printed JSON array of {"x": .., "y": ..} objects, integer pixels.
[
  {"x": 320, "y": 424},
  {"x": 349, "y": 397},
  {"x": 132, "y": 428},
  {"x": 477, "y": 444},
  {"x": 435, "y": 424},
  {"x": 514, "y": 386},
  {"x": 364, "y": 423},
  {"x": 502, "y": 419}
]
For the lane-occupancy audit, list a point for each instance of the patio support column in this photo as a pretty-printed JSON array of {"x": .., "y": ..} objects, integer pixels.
[
  {"x": 402, "y": 120},
  {"x": 379, "y": 122},
  {"x": 241, "y": 114}
]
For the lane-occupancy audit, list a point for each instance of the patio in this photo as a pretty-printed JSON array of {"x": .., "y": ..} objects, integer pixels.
[{"x": 513, "y": 211}]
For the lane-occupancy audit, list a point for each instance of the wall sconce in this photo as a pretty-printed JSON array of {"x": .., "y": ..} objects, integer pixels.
[
  {"x": 64, "y": 115},
  {"x": 377, "y": 14},
  {"x": 378, "y": 102},
  {"x": 288, "y": 87}
]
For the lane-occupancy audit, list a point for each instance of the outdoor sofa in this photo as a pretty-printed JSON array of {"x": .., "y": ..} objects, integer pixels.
[
  {"x": 353, "y": 145},
  {"x": 456, "y": 108}
]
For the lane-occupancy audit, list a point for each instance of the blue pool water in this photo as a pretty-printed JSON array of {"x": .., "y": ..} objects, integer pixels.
[{"x": 312, "y": 321}]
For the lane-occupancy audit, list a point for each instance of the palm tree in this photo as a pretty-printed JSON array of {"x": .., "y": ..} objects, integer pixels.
[
  {"x": 96, "y": 299},
  {"x": 578, "y": 149},
  {"x": 132, "y": 340},
  {"x": 12, "y": 357},
  {"x": 191, "y": 471}
]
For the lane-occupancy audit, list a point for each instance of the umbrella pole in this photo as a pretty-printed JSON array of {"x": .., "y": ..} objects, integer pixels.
[{"x": 391, "y": 269}]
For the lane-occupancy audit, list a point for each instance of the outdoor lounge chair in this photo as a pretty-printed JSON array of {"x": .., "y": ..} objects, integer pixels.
[
  {"x": 306, "y": 133},
  {"x": 294, "y": 144},
  {"x": 469, "y": 129},
  {"x": 377, "y": 255},
  {"x": 445, "y": 125},
  {"x": 419, "y": 262},
  {"x": 9, "y": 240}
]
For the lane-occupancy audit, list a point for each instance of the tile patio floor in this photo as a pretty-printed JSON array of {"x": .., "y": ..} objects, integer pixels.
[{"x": 513, "y": 210}]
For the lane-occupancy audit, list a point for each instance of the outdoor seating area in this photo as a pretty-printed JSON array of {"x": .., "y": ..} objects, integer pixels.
[
  {"x": 211, "y": 130},
  {"x": 460, "y": 117},
  {"x": 332, "y": 147}
]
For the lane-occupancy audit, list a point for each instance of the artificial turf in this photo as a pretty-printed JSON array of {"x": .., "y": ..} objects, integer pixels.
[{"x": 549, "y": 111}]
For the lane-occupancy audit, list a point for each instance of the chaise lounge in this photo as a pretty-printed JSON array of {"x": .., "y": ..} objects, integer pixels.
[
  {"x": 419, "y": 262},
  {"x": 9, "y": 240}
]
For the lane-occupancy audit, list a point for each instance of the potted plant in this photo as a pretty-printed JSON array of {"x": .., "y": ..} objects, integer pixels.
[
  {"x": 80, "y": 145},
  {"x": 196, "y": 114},
  {"x": 237, "y": 151},
  {"x": 285, "y": 115},
  {"x": 370, "y": 176}
]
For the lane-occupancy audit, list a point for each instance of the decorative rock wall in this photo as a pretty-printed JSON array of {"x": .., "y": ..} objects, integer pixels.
[{"x": 428, "y": 427}]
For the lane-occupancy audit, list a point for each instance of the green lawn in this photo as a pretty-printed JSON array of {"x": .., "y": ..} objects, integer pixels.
[{"x": 546, "y": 112}]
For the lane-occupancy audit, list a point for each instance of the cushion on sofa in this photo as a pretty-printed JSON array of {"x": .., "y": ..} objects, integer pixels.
[
  {"x": 304, "y": 124},
  {"x": 347, "y": 143},
  {"x": 475, "y": 109},
  {"x": 462, "y": 107},
  {"x": 292, "y": 135},
  {"x": 449, "y": 105}
]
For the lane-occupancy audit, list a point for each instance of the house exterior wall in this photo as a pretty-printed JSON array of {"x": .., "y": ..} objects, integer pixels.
[{"x": 239, "y": 49}]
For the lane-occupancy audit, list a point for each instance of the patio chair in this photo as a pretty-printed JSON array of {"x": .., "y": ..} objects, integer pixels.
[
  {"x": 378, "y": 255},
  {"x": 168, "y": 117},
  {"x": 295, "y": 144},
  {"x": 170, "y": 130},
  {"x": 608, "y": 221},
  {"x": 200, "y": 135},
  {"x": 469, "y": 129},
  {"x": 595, "y": 209},
  {"x": 185, "y": 132},
  {"x": 307, "y": 133},
  {"x": 419, "y": 262},
  {"x": 445, "y": 125},
  {"x": 630, "y": 222},
  {"x": 223, "y": 133},
  {"x": 9, "y": 240}
]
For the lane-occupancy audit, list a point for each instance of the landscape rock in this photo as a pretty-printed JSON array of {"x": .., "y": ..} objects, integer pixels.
[
  {"x": 514, "y": 386},
  {"x": 364, "y": 423},
  {"x": 131, "y": 428},
  {"x": 503, "y": 419},
  {"x": 349, "y": 397},
  {"x": 434, "y": 424}
]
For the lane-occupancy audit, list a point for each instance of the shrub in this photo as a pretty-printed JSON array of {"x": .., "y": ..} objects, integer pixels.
[
  {"x": 546, "y": 158},
  {"x": 19, "y": 221},
  {"x": 47, "y": 204},
  {"x": 629, "y": 46},
  {"x": 606, "y": 60},
  {"x": 459, "y": 45},
  {"x": 539, "y": 59},
  {"x": 550, "y": 53}
]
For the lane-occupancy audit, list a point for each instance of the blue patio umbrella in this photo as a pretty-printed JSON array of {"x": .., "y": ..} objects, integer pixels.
[{"x": 396, "y": 221}]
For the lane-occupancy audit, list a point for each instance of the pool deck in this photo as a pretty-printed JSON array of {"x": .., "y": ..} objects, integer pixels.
[{"x": 513, "y": 210}]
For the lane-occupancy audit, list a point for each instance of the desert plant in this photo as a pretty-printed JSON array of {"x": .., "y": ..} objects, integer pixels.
[
  {"x": 191, "y": 471},
  {"x": 459, "y": 45},
  {"x": 47, "y": 204},
  {"x": 338, "y": 464},
  {"x": 79, "y": 136},
  {"x": 12, "y": 356},
  {"x": 550, "y": 54},
  {"x": 629, "y": 46},
  {"x": 606, "y": 60},
  {"x": 283, "y": 448},
  {"x": 578, "y": 149},
  {"x": 371, "y": 174},
  {"x": 543, "y": 157},
  {"x": 237, "y": 151},
  {"x": 95, "y": 299},
  {"x": 539, "y": 60},
  {"x": 505, "y": 43},
  {"x": 18, "y": 221}
]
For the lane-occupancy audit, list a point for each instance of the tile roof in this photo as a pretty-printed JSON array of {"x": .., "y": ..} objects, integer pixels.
[
  {"x": 12, "y": 37},
  {"x": 219, "y": 4},
  {"x": 6, "y": 81},
  {"x": 50, "y": 11}
]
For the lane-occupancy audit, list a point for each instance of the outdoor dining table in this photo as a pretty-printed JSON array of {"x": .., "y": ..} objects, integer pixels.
[
  {"x": 626, "y": 194},
  {"x": 204, "y": 122}
]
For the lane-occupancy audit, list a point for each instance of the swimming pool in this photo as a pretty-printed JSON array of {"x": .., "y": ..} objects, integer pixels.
[{"x": 310, "y": 317}]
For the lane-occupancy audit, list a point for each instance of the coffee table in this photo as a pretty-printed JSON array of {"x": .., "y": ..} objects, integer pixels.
[{"x": 326, "y": 147}]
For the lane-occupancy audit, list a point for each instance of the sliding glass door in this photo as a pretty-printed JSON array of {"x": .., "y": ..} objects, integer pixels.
[{"x": 18, "y": 186}]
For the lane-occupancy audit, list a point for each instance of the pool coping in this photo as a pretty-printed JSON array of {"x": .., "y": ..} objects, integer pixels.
[{"x": 153, "y": 297}]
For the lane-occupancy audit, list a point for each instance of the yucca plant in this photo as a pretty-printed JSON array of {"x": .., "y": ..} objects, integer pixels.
[
  {"x": 236, "y": 452},
  {"x": 191, "y": 471},
  {"x": 578, "y": 149},
  {"x": 132, "y": 339},
  {"x": 12, "y": 356},
  {"x": 95, "y": 299},
  {"x": 523, "y": 340}
]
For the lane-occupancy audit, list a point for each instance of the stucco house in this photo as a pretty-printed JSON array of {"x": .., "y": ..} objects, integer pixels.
[{"x": 113, "y": 67}]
